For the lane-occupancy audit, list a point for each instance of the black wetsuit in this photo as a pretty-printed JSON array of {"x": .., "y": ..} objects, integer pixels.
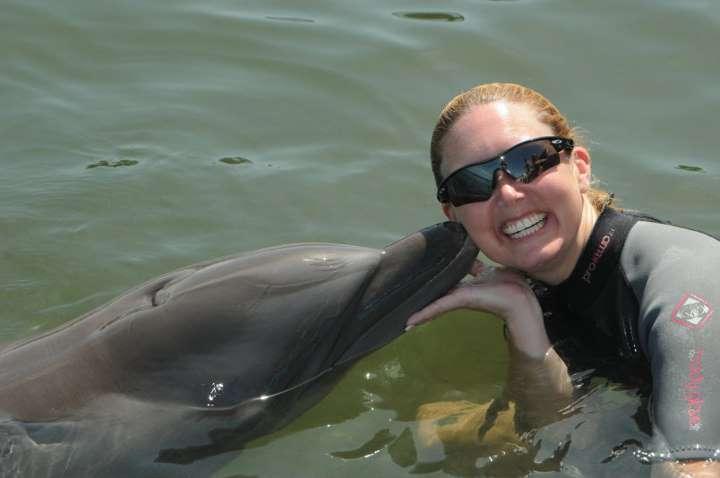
[{"x": 642, "y": 298}]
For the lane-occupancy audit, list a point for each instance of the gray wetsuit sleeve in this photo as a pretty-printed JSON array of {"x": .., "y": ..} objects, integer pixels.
[{"x": 675, "y": 276}]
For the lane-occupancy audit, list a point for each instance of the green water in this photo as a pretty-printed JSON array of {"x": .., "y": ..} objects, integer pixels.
[{"x": 138, "y": 137}]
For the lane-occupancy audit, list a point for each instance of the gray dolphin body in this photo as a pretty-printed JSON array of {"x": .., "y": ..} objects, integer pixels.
[{"x": 169, "y": 377}]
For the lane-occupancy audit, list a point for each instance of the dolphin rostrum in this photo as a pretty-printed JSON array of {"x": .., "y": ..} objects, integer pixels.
[{"x": 166, "y": 379}]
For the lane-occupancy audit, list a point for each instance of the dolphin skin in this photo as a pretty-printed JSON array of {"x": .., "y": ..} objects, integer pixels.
[{"x": 168, "y": 378}]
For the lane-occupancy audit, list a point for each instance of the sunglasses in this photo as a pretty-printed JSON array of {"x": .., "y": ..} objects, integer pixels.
[{"x": 523, "y": 162}]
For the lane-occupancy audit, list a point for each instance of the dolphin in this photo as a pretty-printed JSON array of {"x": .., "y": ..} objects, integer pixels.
[{"x": 171, "y": 376}]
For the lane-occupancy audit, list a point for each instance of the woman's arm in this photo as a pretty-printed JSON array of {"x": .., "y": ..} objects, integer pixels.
[
  {"x": 674, "y": 274},
  {"x": 538, "y": 382}
]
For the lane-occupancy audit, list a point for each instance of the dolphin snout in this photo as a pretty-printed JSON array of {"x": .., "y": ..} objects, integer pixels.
[
  {"x": 413, "y": 272},
  {"x": 443, "y": 252}
]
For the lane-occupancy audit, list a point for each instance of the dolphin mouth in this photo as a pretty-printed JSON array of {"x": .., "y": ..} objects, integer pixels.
[{"x": 413, "y": 272}]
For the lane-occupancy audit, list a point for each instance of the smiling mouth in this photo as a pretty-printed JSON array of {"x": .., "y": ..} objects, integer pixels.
[{"x": 524, "y": 227}]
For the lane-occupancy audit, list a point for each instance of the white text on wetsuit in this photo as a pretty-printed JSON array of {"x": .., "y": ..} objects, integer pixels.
[{"x": 597, "y": 255}]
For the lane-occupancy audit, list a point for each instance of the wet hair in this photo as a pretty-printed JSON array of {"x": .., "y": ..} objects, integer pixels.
[{"x": 512, "y": 93}]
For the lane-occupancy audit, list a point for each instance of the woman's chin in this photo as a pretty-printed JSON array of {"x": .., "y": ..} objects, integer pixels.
[{"x": 539, "y": 256}]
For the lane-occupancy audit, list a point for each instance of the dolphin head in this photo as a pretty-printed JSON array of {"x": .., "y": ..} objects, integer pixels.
[
  {"x": 267, "y": 320},
  {"x": 412, "y": 272},
  {"x": 308, "y": 312}
]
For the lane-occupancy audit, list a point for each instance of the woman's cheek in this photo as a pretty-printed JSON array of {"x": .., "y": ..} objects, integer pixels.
[{"x": 476, "y": 225}]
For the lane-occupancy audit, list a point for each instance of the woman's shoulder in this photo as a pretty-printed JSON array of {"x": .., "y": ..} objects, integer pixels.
[
  {"x": 651, "y": 243},
  {"x": 662, "y": 263}
]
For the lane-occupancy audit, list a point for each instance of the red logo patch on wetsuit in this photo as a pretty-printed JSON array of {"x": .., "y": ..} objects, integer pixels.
[
  {"x": 692, "y": 311},
  {"x": 693, "y": 390}
]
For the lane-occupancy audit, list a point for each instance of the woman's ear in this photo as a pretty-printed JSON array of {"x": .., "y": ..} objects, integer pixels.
[
  {"x": 449, "y": 211},
  {"x": 582, "y": 165}
]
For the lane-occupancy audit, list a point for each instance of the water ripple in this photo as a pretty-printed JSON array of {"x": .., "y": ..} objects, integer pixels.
[
  {"x": 291, "y": 19},
  {"x": 431, "y": 16}
]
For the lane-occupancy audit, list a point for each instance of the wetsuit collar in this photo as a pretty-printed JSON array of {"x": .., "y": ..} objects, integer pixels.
[{"x": 598, "y": 259}]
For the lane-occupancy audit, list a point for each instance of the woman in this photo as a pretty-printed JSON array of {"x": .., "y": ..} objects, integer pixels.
[{"x": 512, "y": 171}]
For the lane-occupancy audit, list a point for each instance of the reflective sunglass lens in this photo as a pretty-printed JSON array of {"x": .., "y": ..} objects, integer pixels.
[{"x": 523, "y": 162}]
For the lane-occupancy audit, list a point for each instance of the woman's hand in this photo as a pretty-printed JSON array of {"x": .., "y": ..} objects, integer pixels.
[
  {"x": 539, "y": 381},
  {"x": 502, "y": 292}
]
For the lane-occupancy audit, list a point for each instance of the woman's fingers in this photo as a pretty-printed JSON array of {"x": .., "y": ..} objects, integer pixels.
[
  {"x": 496, "y": 290},
  {"x": 458, "y": 298},
  {"x": 440, "y": 306},
  {"x": 498, "y": 275},
  {"x": 467, "y": 295},
  {"x": 486, "y": 273}
]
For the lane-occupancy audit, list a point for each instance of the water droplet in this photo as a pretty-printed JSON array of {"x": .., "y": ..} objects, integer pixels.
[{"x": 215, "y": 391}]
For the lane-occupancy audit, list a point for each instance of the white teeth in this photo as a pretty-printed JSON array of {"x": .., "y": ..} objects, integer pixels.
[{"x": 525, "y": 226}]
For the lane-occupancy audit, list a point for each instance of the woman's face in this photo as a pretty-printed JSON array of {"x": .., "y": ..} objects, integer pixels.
[{"x": 553, "y": 201}]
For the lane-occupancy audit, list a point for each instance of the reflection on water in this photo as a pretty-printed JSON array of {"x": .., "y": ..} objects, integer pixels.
[
  {"x": 378, "y": 442},
  {"x": 591, "y": 443},
  {"x": 598, "y": 436}
]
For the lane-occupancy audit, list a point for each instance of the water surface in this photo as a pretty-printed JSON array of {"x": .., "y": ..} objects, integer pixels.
[{"x": 140, "y": 137}]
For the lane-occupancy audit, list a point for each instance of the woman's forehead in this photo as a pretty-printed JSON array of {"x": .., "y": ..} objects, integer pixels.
[{"x": 487, "y": 130}]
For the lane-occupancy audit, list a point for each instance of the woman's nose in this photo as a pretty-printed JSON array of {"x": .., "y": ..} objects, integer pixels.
[{"x": 507, "y": 189}]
